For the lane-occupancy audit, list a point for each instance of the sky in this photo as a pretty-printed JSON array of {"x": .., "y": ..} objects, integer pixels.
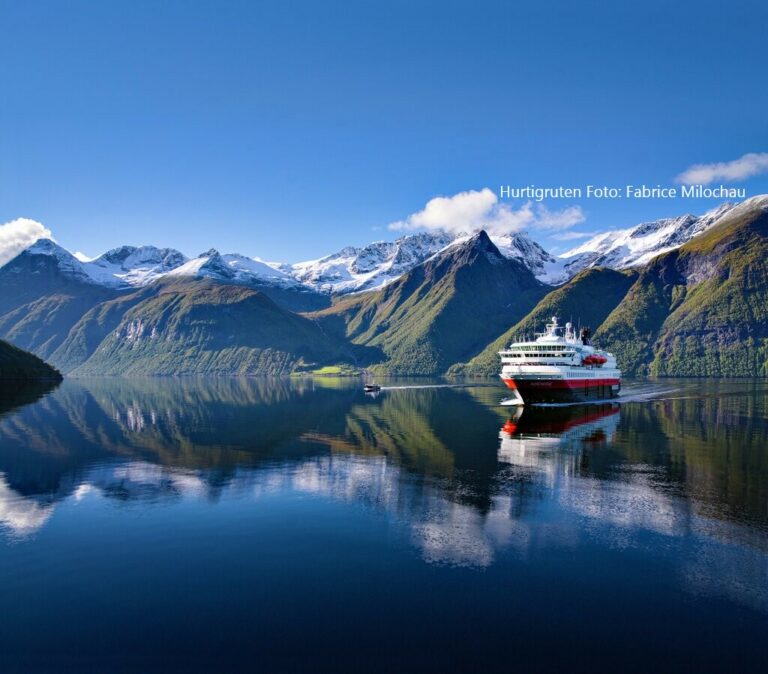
[{"x": 288, "y": 130}]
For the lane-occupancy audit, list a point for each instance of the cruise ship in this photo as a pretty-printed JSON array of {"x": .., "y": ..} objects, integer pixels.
[{"x": 559, "y": 366}]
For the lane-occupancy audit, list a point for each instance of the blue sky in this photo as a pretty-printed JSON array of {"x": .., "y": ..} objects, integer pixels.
[{"x": 287, "y": 130}]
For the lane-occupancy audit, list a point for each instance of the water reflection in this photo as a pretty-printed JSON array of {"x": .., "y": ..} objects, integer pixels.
[
  {"x": 468, "y": 482},
  {"x": 534, "y": 436}
]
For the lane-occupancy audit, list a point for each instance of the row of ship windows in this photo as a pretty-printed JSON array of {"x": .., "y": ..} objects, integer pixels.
[
  {"x": 539, "y": 355},
  {"x": 541, "y": 347}
]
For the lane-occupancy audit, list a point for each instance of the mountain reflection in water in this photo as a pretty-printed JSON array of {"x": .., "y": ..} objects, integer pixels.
[{"x": 682, "y": 478}]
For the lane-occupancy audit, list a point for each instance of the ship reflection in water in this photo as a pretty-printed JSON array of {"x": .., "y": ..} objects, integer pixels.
[
  {"x": 534, "y": 434},
  {"x": 132, "y": 511}
]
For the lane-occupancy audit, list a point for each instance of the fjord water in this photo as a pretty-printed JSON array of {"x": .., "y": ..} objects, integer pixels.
[{"x": 298, "y": 525}]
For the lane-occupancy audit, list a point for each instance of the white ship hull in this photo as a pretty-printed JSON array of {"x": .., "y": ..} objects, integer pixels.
[{"x": 538, "y": 385}]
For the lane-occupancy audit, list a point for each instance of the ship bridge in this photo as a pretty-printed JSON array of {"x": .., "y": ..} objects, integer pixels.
[{"x": 558, "y": 345}]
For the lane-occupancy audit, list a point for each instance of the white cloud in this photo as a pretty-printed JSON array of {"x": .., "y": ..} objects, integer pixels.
[
  {"x": 473, "y": 210},
  {"x": 19, "y": 234},
  {"x": 751, "y": 164}
]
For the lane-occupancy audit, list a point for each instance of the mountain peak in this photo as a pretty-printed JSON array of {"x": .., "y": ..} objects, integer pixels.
[
  {"x": 479, "y": 242},
  {"x": 468, "y": 249},
  {"x": 46, "y": 247},
  {"x": 234, "y": 268},
  {"x": 371, "y": 267},
  {"x": 49, "y": 248},
  {"x": 49, "y": 255},
  {"x": 117, "y": 255},
  {"x": 481, "y": 238},
  {"x": 133, "y": 266}
]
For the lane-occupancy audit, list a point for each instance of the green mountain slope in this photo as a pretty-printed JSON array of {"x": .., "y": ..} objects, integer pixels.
[
  {"x": 586, "y": 299},
  {"x": 440, "y": 313},
  {"x": 701, "y": 310},
  {"x": 94, "y": 327},
  {"x": 631, "y": 330},
  {"x": 39, "y": 302},
  {"x": 202, "y": 327},
  {"x": 21, "y": 365}
]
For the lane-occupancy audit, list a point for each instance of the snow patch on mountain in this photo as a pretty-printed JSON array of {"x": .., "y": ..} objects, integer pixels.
[
  {"x": 132, "y": 266},
  {"x": 67, "y": 263},
  {"x": 370, "y": 267},
  {"x": 635, "y": 246},
  {"x": 355, "y": 269},
  {"x": 378, "y": 264},
  {"x": 520, "y": 246},
  {"x": 122, "y": 267},
  {"x": 232, "y": 267}
]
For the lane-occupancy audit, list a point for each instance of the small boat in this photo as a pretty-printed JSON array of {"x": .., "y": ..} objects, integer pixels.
[{"x": 371, "y": 388}]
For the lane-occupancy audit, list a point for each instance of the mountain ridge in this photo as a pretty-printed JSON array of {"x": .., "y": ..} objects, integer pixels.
[
  {"x": 702, "y": 309},
  {"x": 698, "y": 309},
  {"x": 185, "y": 327},
  {"x": 638, "y": 245},
  {"x": 371, "y": 267}
]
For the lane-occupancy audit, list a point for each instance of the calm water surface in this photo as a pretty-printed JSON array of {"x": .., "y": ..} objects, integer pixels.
[{"x": 248, "y": 525}]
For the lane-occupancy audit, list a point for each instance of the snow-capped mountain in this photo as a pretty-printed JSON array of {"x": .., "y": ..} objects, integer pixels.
[
  {"x": 370, "y": 267},
  {"x": 122, "y": 267},
  {"x": 66, "y": 263},
  {"x": 520, "y": 246},
  {"x": 373, "y": 266},
  {"x": 636, "y": 245},
  {"x": 131, "y": 266},
  {"x": 349, "y": 270},
  {"x": 232, "y": 267}
]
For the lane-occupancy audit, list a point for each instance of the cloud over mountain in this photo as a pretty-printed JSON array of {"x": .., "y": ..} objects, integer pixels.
[
  {"x": 473, "y": 210},
  {"x": 19, "y": 234},
  {"x": 751, "y": 164}
]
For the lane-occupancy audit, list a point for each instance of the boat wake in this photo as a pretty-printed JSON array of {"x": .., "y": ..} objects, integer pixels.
[
  {"x": 631, "y": 397},
  {"x": 417, "y": 386}
]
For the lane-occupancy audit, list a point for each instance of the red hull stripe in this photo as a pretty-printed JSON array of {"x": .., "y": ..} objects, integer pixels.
[{"x": 548, "y": 384}]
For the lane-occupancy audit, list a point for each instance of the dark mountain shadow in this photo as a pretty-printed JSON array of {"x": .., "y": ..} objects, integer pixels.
[{"x": 15, "y": 394}]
